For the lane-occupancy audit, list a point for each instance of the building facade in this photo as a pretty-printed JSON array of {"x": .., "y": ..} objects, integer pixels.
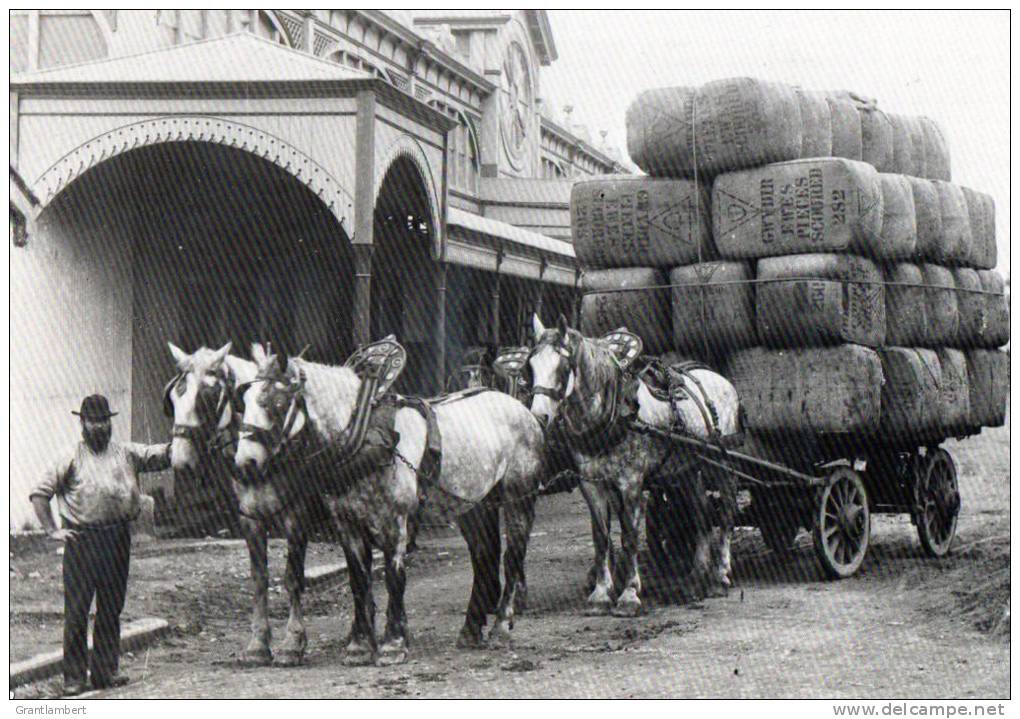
[{"x": 317, "y": 178}]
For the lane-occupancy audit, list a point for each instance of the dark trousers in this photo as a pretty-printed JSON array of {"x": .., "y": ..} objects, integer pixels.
[{"x": 95, "y": 565}]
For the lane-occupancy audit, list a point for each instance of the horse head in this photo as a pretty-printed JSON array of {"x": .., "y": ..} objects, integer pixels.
[
  {"x": 198, "y": 400},
  {"x": 272, "y": 410},
  {"x": 551, "y": 366}
]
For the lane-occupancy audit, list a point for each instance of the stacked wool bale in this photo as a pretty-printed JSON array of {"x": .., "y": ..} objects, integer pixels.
[{"x": 836, "y": 275}]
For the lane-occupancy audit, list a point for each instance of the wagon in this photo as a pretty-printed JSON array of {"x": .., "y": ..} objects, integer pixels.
[{"x": 831, "y": 486}]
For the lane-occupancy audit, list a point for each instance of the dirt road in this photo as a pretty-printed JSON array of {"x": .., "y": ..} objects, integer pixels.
[{"x": 893, "y": 630}]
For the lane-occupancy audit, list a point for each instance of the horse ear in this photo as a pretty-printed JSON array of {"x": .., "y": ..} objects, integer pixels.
[
  {"x": 220, "y": 354},
  {"x": 537, "y": 326},
  {"x": 561, "y": 324},
  {"x": 242, "y": 369},
  {"x": 182, "y": 358},
  {"x": 258, "y": 352}
]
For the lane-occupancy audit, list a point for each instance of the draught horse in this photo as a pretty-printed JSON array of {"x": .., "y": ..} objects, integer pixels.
[
  {"x": 201, "y": 400},
  {"x": 582, "y": 385},
  {"x": 492, "y": 458}
]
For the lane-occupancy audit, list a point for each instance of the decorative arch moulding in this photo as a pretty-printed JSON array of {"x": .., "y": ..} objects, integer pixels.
[
  {"x": 199, "y": 128},
  {"x": 408, "y": 147}
]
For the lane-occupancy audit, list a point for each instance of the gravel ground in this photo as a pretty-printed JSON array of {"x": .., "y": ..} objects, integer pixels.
[{"x": 903, "y": 626}]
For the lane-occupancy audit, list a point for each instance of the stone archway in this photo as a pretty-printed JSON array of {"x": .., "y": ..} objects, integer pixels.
[{"x": 177, "y": 233}]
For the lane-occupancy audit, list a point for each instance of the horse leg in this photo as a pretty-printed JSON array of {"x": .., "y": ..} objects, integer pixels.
[
  {"x": 631, "y": 520},
  {"x": 699, "y": 577},
  {"x": 727, "y": 518},
  {"x": 519, "y": 516},
  {"x": 600, "y": 601},
  {"x": 395, "y": 640},
  {"x": 292, "y": 651},
  {"x": 257, "y": 651},
  {"x": 361, "y": 646},
  {"x": 601, "y": 526},
  {"x": 480, "y": 527}
]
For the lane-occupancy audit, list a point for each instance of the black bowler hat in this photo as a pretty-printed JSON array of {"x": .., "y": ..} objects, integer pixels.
[{"x": 95, "y": 407}]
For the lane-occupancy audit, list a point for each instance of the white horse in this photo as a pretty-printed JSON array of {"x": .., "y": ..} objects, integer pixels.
[
  {"x": 580, "y": 383},
  {"x": 201, "y": 398},
  {"x": 492, "y": 457}
]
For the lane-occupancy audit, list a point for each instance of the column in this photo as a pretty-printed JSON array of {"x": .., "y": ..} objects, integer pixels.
[
  {"x": 364, "y": 216},
  {"x": 440, "y": 326}
]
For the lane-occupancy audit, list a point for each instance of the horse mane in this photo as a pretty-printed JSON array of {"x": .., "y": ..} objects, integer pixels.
[
  {"x": 596, "y": 364},
  {"x": 331, "y": 393}
]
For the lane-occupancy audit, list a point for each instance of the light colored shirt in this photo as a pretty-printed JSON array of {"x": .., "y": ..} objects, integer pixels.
[{"x": 101, "y": 488}]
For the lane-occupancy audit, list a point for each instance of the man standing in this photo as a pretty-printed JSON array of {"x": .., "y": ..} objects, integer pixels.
[{"x": 96, "y": 486}]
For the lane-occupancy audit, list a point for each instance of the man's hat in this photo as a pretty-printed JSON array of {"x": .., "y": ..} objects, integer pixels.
[{"x": 95, "y": 407}]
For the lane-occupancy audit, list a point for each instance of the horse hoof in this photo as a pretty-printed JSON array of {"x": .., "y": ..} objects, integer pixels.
[
  {"x": 598, "y": 609},
  {"x": 285, "y": 658},
  {"x": 390, "y": 656},
  {"x": 627, "y": 609},
  {"x": 499, "y": 636},
  {"x": 470, "y": 639},
  {"x": 359, "y": 658},
  {"x": 717, "y": 590},
  {"x": 260, "y": 657}
]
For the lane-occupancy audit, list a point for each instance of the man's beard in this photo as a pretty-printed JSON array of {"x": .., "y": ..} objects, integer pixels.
[{"x": 97, "y": 439}]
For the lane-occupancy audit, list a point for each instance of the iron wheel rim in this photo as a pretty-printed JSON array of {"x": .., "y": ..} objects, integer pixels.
[
  {"x": 937, "y": 482},
  {"x": 842, "y": 524}
]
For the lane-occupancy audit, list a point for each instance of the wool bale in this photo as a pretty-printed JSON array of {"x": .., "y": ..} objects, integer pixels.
[
  {"x": 943, "y": 310},
  {"x": 915, "y": 131},
  {"x": 988, "y": 382},
  {"x": 827, "y": 390},
  {"x": 877, "y": 140},
  {"x": 956, "y": 243},
  {"x": 713, "y": 306},
  {"x": 617, "y": 298},
  {"x": 846, "y": 128},
  {"x": 640, "y": 221},
  {"x": 954, "y": 393},
  {"x": 973, "y": 307},
  {"x": 928, "y": 216},
  {"x": 908, "y": 145},
  {"x": 820, "y": 205},
  {"x": 981, "y": 214},
  {"x": 824, "y": 299},
  {"x": 899, "y": 222},
  {"x": 734, "y": 123},
  {"x": 660, "y": 131},
  {"x": 910, "y": 393},
  {"x": 906, "y": 306},
  {"x": 816, "y": 124},
  {"x": 996, "y": 329},
  {"x": 936, "y": 151}
]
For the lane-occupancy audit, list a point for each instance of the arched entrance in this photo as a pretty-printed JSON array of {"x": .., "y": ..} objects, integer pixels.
[
  {"x": 404, "y": 295},
  {"x": 186, "y": 241}
]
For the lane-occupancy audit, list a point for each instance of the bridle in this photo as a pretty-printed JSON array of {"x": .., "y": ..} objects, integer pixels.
[
  {"x": 558, "y": 393},
  {"x": 276, "y": 439},
  {"x": 201, "y": 434}
]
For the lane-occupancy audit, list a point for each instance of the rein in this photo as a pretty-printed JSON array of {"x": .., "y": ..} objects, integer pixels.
[
  {"x": 202, "y": 434},
  {"x": 603, "y": 434}
]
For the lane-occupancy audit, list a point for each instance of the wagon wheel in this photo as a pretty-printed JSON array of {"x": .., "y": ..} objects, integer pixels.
[
  {"x": 777, "y": 517},
  {"x": 842, "y": 523},
  {"x": 937, "y": 502}
]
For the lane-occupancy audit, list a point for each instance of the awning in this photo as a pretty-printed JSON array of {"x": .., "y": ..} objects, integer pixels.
[{"x": 475, "y": 241}]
